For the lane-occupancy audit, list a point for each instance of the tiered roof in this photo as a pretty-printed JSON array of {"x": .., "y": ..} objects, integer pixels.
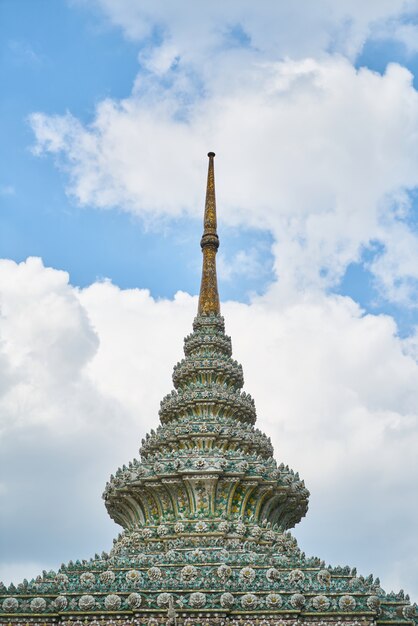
[{"x": 205, "y": 514}]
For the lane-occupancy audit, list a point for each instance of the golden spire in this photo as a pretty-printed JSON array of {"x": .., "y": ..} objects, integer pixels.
[{"x": 209, "y": 297}]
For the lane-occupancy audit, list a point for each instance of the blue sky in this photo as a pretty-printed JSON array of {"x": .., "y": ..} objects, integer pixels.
[{"x": 108, "y": 109}]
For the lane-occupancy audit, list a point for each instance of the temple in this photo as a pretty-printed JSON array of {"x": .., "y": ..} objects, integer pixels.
[{"x": 206, "y": 514}]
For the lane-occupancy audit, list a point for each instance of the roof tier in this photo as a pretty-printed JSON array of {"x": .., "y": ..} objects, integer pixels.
[{"x": 206, "y": 462}]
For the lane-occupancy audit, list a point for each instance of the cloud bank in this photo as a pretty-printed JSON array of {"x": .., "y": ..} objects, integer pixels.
[{"x": 193, "y": 33}]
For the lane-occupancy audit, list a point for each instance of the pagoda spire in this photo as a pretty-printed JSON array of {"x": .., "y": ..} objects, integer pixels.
[{"x": 209, "y": 297}]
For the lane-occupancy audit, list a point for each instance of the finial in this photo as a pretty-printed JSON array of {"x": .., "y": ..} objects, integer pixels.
[{"x": 209, "y": 297}]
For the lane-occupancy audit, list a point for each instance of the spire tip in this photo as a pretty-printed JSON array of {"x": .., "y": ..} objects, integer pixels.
[{"x": 209, "y": 298}]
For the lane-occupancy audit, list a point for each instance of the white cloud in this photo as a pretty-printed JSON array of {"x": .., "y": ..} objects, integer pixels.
[
  {"x": 298, "y": 29},
  {"x": 244, "y": 263},
  {"x": 398, "y": 259},
  {"x": 53, "y": 419},
  {"x": 85, "y": 370},
  {"x": 401, "y": 31},
  {"x": 18, "y": 571},
  {"x": 317, "y": 152}
]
